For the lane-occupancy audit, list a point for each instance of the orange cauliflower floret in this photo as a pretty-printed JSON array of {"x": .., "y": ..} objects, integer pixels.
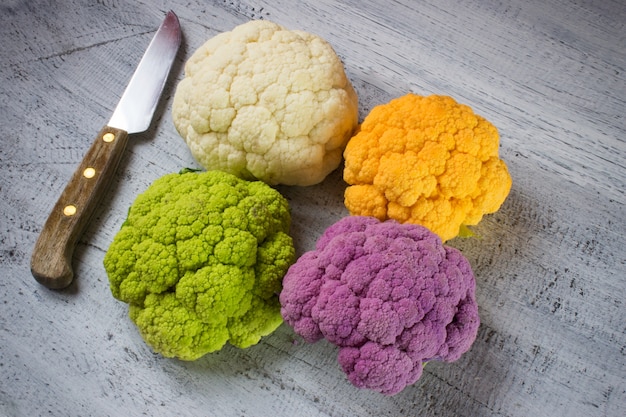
[{"x": 428, "y": 161}]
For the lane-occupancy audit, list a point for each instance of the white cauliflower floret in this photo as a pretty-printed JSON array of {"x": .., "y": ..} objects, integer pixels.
[{"x": 263, "y": 102}]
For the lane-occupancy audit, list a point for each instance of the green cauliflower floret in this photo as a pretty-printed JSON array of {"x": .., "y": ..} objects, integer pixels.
[{"x": 200, "y": 260}]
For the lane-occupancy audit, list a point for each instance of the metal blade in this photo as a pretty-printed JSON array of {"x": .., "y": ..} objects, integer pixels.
[{"x": 136, "y": 107}]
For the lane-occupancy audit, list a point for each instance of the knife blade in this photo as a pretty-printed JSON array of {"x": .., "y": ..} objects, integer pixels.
[{"x": 51, "y": 260}]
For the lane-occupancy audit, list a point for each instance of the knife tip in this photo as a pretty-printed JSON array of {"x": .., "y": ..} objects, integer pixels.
[
  {"x": 171, "y": 15},
  {"x": 172, "y": 24}
]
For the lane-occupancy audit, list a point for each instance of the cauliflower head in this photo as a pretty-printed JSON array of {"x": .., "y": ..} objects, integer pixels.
[
  {"x": 263, "y": 102},
  {"x": 391, "y": 296},
  {"x": 200, "y": 260},
  {"x": 425, "y": 160}
]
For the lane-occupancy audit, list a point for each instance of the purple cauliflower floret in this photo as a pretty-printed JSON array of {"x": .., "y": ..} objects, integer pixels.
[{"x": 391, "y": 296}]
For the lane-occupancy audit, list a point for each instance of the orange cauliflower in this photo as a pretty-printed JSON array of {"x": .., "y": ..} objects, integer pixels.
[{"x": 428, "y": 161}]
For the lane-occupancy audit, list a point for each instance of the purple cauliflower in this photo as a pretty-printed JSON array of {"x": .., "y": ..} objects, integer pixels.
[{"x": 390, "y": 295}]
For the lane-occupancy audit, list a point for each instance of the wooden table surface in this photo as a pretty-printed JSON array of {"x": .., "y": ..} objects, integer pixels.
[{"x": 550, "y": 265}]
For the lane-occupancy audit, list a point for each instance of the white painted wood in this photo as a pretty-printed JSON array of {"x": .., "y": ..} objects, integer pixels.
[{"x": 550, "y": 74}]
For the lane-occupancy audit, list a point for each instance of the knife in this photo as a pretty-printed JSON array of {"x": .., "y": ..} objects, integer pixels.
[{"x": 51, "y": 261}]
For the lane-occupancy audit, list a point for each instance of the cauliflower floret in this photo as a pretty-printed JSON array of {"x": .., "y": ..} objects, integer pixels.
[
  {"x": 391, "y": 296},
  {"x": 425, "y": 160},
  {"x": 200, "y": 260},
  {"x": 263, "y": 102}
]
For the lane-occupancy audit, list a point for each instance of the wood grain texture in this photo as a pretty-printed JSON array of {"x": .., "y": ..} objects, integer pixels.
[
  {"x": 51, "y": 259},
  {"x": 550, "y": 265}
]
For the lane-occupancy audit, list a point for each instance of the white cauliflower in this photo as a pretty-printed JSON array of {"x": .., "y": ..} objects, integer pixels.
[{"x": 263, "y": 102}]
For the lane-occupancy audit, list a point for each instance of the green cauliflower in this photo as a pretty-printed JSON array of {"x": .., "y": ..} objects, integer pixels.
[{"x": 200, "y": 261}]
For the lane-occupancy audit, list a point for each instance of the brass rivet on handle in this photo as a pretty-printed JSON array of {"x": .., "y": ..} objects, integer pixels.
[
  {"x": 108, "y": 137},
  {"x": 69, "y": 210},
  {"x": 89, "y": 172}
]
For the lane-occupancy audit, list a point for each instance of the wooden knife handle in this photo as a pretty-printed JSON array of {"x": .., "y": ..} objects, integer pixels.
[{"x": 51, "y": 262}]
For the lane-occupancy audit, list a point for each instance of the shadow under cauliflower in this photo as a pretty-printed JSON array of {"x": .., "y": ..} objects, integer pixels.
[
  {"x": 390, "y": 295},
  {"x": 200, "y": 260}
]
